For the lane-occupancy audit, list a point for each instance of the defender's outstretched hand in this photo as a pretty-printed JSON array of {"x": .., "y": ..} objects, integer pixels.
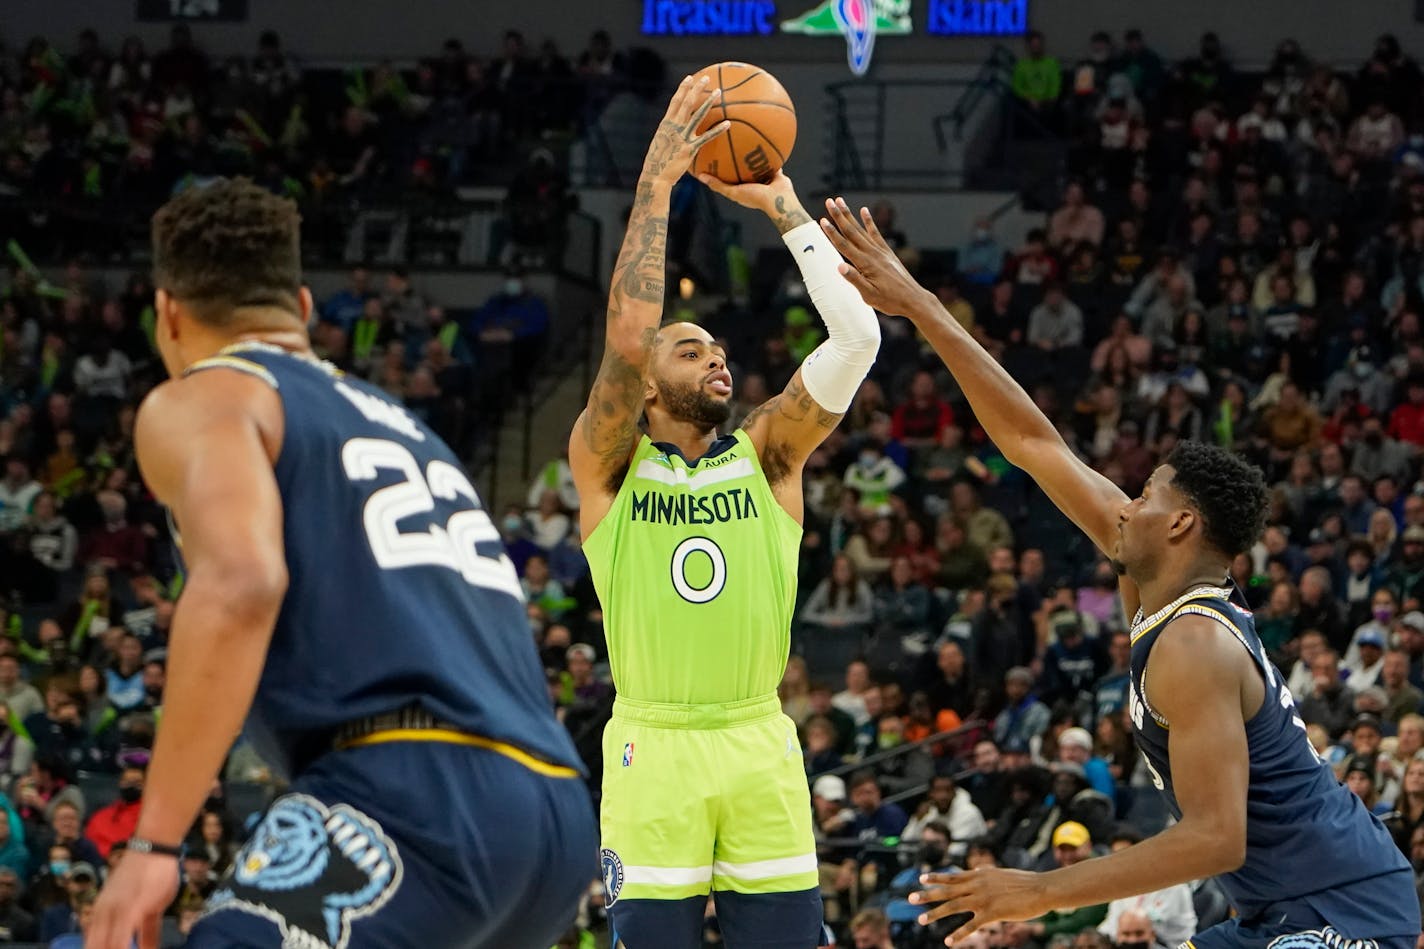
[
  {"x": 676, "y": 143},
  {"x": 872, "y": 267},
  {"x": 990, "y": 895}
]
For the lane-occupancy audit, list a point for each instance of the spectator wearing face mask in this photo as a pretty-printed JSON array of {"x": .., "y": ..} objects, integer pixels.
[
  {"x": 933, "y": 856},
  {"x": 981, "y": 259},
  {"x": 511, "y": 326},
  {"x": 907, "y": 771},
  {"x": 117, "y": 821},
  {"x": 514, "y": 533},
  {"x": 875, "y": 476},
  {"x": 81, "y": 882}
]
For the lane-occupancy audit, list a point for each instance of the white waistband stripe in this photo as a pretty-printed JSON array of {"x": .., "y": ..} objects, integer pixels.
[
  {"x": 668, "y": 876},
  {"x": 767, "y": 869}
]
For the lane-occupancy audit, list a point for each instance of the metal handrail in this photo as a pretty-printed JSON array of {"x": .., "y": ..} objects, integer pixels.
[
  {"x": 904, "y": 749},
  {"x": 853, "y": 166},
  {"x": 905, "y": 795}
]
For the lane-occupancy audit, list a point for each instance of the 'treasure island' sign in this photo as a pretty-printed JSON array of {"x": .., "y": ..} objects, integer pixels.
[
  {"x": 858, "y": 22},
  {"x": 977, "y": 18}
]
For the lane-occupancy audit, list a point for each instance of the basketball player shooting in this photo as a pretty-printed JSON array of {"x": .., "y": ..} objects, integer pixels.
[
  {"x": 693, "y": 542},
  {"x": 1297, "y": 853}
]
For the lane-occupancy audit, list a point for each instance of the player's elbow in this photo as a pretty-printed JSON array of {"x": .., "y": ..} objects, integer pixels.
[
  {"x": 1222, "y": 844},
  {"x": 1230, "y": 852},
  {"x": 246, "y": 591}
]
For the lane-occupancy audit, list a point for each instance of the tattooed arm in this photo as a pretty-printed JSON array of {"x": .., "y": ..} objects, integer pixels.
[{"x": 607, "y": 431}]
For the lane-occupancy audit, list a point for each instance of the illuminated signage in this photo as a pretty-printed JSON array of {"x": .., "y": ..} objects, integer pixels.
[
  {"x": 859, "y": 21},
  {"x": 708, "y": 17},
  {"x": 977, "y": 17}
]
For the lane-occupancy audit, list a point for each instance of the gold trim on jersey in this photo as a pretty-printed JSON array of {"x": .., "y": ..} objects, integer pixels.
[
  {"x": 1183, "y": 605},
  {"x": 451, "y": 737},
  {"x": 221, "y": 361},
  {"x": 257, "y": 345},
  {"x": 1143, "y": 625}
]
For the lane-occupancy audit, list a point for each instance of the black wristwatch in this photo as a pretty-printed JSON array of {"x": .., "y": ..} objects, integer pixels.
[{"x": 142, "y": 845}]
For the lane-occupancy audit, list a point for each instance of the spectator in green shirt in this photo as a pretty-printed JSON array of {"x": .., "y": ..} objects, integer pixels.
[{"x": 1038, "y": 79}]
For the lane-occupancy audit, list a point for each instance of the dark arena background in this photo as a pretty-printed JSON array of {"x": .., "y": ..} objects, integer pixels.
[{"x": 1168, "y": 221}]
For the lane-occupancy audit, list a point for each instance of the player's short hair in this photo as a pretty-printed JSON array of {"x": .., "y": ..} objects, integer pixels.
[
  {"x": 1227, "y": 492},
  {"x": 229, "y": 245}
]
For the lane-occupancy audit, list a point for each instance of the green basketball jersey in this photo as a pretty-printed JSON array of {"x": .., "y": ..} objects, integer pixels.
[{"x": 695, "y": 567}]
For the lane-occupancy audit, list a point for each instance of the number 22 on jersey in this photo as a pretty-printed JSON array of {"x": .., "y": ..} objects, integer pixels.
[{"x": 451, "y": 545}]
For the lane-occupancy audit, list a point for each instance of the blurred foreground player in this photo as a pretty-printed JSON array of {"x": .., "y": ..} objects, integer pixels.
[
  {"x": 349, "y": 597},
  {"x": 1303, "y": 861}
]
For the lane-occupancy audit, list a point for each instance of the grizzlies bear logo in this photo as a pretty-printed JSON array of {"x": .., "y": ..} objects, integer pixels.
[
  {"x": 312, "y": 870},
  {"x": 1326, "y": 938}
]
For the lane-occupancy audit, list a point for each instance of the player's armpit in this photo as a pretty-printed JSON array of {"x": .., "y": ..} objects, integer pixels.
[
  {"x": 1195, "y": 679},
  {"x": 786, "y": 428}
]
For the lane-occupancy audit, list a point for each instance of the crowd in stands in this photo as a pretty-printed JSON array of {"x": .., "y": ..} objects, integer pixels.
[
  {"x": 105, "y": 132},
  {"x": 1237, "y": 258}
]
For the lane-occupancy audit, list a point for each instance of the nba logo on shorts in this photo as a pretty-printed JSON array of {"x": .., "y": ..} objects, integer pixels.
[{"x": 627, "y": 754}]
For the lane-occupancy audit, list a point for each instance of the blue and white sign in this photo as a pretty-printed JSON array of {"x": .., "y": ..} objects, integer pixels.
[{"x": 977, "y": 18}]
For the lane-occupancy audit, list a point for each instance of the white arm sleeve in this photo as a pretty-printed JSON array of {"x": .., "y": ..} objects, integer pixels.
[{"x": 836, "y": 369}]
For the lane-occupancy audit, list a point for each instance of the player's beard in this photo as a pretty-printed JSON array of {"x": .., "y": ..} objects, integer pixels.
[{"x": 689, "y": 402}]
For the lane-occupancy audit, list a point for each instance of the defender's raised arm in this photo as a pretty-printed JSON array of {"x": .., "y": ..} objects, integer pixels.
[{"x": 1023, "y": 433}]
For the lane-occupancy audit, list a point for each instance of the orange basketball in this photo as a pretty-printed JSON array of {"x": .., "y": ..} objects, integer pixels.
[{"x": 763, "y": 128}]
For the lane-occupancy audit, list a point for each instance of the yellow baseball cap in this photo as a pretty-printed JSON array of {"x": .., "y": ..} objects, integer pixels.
[{"x": 1071, "y": 834}]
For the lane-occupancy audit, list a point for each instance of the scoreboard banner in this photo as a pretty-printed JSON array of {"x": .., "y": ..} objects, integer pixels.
[{"x": 191, "y": 11}]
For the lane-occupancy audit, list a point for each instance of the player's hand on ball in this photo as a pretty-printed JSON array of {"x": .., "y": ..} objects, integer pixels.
[
  {"x": 756, "y": 195},
  {"x": 992, "y": 895},
  {"x": 871, "y": 266},
  {"x": 676, "y": 143}
]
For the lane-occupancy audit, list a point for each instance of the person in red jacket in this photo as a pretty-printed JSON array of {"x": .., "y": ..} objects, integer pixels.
[
  {"x": 919, "y": 420},
  {"x": 1406, "y": 422},
  {"x": 116, "y": 822}
]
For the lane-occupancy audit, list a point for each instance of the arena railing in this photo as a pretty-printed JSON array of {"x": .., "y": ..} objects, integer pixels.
[
  {"x": 382, "y": 228},
  {"x": 952, "y": 736}
]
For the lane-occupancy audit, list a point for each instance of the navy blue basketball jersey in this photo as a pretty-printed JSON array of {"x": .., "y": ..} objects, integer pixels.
[
  {"x": 1308, "y": 838},
  {"x": 400, "y": 593}
]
